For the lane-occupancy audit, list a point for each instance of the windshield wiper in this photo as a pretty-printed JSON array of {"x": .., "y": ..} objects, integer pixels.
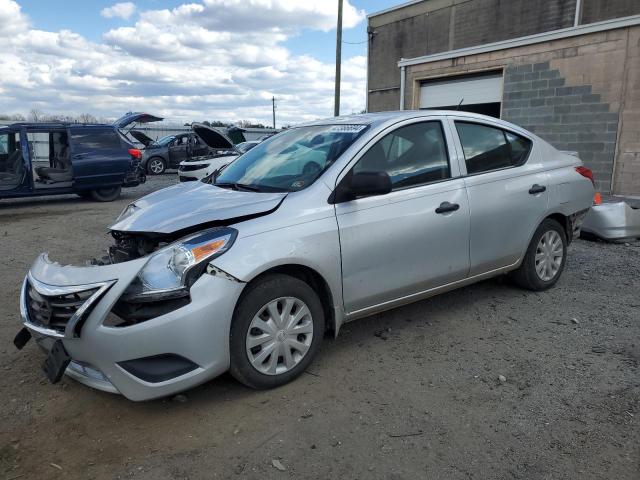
[
  {"x": 238, "y": 186},
  {"x": 231, "y": 186},
  {"x": 244, "y": 186}
]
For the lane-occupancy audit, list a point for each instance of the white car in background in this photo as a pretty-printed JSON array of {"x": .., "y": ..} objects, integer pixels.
[
  {"x": 221, "y": 153},
  {"x": 197, "y": 169}
]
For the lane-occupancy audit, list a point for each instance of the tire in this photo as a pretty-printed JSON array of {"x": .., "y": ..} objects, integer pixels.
[
  {"x": 543, "y": 273},
  {"x": 107, "y": 194},
  {"x": 156, "y": 166},
  {"x": 279, "y": 291}
]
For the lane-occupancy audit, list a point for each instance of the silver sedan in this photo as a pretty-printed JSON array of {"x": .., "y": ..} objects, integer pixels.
[{"x": 321, "y": 224}]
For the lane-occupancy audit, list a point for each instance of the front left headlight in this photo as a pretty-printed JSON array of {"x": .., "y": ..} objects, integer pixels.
[{"x": 170, "y": 271}]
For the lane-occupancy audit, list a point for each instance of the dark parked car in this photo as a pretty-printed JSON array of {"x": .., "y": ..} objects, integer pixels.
[
  {"x": 169, "y": 151},
  {"x": 60, "y": 158}
]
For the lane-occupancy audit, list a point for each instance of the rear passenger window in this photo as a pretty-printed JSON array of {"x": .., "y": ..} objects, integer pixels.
[
  {"x": 95, "y": 139},
  {"x": 488, "y": 148},
  {"x": 412, "y": 155},
  {"x": 519, "y": 146}
]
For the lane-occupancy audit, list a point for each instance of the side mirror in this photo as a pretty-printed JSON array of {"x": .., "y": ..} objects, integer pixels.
[{"x": 362, "y": 184}]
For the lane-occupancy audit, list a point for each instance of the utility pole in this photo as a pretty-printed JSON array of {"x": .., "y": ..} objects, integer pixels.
[
  {"x": 336, "y": 106},
  {"x": 273, "y": 103}
]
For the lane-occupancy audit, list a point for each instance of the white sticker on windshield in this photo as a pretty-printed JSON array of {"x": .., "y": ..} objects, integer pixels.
[{"x": 347, "y": 128}]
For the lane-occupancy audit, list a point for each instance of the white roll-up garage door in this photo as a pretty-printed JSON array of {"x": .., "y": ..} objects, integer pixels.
[{"x": 470, "y": 90}]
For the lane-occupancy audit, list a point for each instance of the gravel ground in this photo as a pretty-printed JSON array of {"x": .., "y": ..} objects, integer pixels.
[{"x": 411, "y": 393}]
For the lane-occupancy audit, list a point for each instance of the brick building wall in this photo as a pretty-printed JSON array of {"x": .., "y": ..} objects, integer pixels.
[
  {"x": 435, "y": 26},
  {"x": 627, "y": 166},
  {"x": 580, "y": 93}
]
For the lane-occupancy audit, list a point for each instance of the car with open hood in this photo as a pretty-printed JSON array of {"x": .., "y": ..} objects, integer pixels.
[
  {"x": 203, "y": 167},
  {"x": 91, "y": 160},
  {"x": 324, "y": 223},
  {"x": 170, "y": 151}
]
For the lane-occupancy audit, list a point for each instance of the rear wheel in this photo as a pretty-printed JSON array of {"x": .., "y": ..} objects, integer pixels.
[
  {"x": 276, "y": 331},
  {"x": 545, "y": 258},
  {"x": 156, "y": 166},
  {"x": 108, "y": 194}
]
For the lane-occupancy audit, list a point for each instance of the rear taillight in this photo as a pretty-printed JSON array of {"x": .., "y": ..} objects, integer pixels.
[
  {"x": 135, "y": 153},
  {"x": 587, "y": 173}
]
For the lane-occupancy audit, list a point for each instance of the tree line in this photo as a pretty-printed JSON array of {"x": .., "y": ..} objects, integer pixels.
[{"x": 39, "y": 116}]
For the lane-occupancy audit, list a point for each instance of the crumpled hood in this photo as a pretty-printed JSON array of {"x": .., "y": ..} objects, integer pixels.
[{"x": 189, "y": 204}]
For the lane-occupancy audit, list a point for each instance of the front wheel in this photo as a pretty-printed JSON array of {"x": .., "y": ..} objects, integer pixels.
[
  {"x": 108, "y": 194},
  {"x": 545, "y": 258},
  {"x": 276, "y": 331}
]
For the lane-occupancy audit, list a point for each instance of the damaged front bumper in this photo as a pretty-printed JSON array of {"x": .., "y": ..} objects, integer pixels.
[{"x": 156, "y": 357}]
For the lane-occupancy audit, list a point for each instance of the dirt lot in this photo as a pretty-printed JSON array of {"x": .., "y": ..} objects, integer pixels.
[{"x": 412, "y": 393}]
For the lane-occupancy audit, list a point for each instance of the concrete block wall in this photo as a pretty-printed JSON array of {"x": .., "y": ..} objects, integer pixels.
[
  {"x": 568, "y": 115},
  {"x": 484, "y": 21}
]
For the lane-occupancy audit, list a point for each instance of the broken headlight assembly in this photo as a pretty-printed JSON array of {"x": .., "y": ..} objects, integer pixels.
[{"x": 171, "y": 270}]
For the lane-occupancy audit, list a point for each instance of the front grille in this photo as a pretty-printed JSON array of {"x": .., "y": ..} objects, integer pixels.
[
  {"x": 54, "y": 311},
  {"x": 191, "y": 168}
]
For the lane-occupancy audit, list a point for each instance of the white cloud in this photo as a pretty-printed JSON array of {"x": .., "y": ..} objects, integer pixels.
[
  {"x": 122, "y": 10},
  {"x": 198, "y": 61},
  {"x": 12, "y": 20}
]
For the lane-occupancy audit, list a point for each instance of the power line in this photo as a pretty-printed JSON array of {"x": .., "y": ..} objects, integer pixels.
[{"x": 356, "y": 43}]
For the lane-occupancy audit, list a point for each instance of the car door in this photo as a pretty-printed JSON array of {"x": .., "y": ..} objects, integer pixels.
[
  {"x": 403, "y": 243},
  {"x": 199, "y": 147},
  {"x": 15, "y": 172},
  {"x": 177, "y": 151},
  {"x": 506, "y": 185},
  {"x": 98, "y": 156}
]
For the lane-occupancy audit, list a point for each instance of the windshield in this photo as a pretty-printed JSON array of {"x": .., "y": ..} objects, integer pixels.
[
  {"x": 165, "y": 140},
  {"x": 291, "y": 160}
]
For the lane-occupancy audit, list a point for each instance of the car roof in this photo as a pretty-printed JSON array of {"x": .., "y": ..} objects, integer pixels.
[
  {"x": 58, "y": 125},
  {"x": 380, "y": 118}
]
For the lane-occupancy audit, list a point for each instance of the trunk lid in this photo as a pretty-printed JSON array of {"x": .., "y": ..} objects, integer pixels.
[
  {"x": 141, "y": 137},
  {"x": 135, "y": 117}
]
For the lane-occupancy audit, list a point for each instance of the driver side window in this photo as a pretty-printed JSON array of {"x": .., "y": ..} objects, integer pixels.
[{"x": 412, "y": 155}]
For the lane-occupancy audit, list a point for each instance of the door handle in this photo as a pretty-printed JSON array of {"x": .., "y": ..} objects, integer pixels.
[
  {"x": 446, "y": 207},
  {"x": 535, "y": 189}
]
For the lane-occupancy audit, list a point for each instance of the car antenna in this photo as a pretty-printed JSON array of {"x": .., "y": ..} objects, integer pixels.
[{"x": 458, "y": 107}]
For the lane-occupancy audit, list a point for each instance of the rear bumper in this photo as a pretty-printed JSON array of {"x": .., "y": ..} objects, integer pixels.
[
  {"x": 198, "y": 331},
  {"x": 613, "y": 221},
  {"x": 135, "y": 176}
]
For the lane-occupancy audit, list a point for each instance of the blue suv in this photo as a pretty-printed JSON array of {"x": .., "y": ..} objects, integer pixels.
[{"x": 93, "y": 161}]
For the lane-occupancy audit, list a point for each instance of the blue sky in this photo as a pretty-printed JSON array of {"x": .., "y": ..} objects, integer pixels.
[
  {"x": 83, "y": 17},
  {"x": 182, "y": 58}
]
